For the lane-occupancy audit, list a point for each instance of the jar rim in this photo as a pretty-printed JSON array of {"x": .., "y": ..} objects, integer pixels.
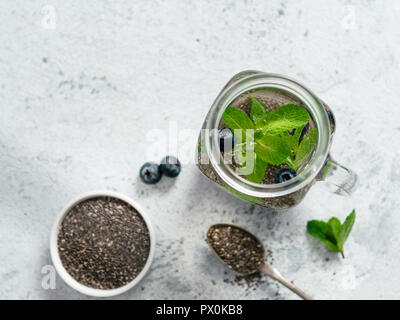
[{"x": 249, "y": 80}]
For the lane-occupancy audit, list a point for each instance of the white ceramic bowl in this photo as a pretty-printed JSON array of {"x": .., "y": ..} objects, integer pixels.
[{"x": 57, "y": 261}]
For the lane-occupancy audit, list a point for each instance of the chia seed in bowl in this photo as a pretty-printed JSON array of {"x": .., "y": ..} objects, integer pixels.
[{"x": 102, "y": 244}]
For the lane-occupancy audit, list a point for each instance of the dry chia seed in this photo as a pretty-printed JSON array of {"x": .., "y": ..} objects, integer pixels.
[
  {"x": 238, "y": 249},
  {"x": 103, "y": 243}
]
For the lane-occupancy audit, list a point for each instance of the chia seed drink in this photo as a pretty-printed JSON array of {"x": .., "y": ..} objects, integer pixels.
[{"x": 273, "y": 92}]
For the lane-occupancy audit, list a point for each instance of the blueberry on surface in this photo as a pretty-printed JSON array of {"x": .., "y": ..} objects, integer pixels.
[
  {"x": 170, "y": 166},
  {"x": 226, "y": 139},
  {"x": 150, "y": 173},
  {"x": 284, "y": 174}
]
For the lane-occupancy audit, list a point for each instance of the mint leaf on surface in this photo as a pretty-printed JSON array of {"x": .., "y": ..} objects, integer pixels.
[
  {"x": 237, "y": 119},
  {"x": 346, "y": 228},
  {"x": 257, "y": 110},
  {"x": 305, "y": 148},
  {"x": 332, "y": 230},
  {"x": 284, "y": 118},
  {"x": 317, "y": 229},
  {"x": 332, "y": 233},
  {"x": 272, "y": 149}
]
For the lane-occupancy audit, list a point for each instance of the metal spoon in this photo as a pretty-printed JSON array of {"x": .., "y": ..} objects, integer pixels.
[{"x": 264, "y": 267}]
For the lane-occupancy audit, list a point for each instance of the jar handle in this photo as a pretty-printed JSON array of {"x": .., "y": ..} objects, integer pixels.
[{"x": 340, "y": 180}]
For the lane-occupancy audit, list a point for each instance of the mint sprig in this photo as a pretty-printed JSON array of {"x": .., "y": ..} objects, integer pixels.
[
  {"x": 271, "y": 142},
  {"x": 332, "y": 233},
  {"x": 285, "y": 118}
]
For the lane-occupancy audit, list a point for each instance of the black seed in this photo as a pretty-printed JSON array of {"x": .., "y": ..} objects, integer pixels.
[
  {"x": 103, "y": 243},
  {"x": 240, "y": 250}
]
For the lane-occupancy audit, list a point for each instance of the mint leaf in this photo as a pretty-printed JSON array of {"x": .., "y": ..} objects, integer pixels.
[
  {"x": 317, "y": 229},
  {"x": 293, "y": 140},
  {"x": 305, "y": 148},
  {"x": 346, "y": 227},
  {"x": 297, "y": 134},
  {"x": 254, "y": 171},
  {"x": 257, "y": 110},
  {"x": 260, "y": 167},
  {"x": 332, "y": 230},
  {"x": 296, "y": 138},
  {"x": 284, "y": 118},
  {"x": 272, "y": 149},
  {"x": 237, "y": 119},
  {"x": 332, "y": 233}
]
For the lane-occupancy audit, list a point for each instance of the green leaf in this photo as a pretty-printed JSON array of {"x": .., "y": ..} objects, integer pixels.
[
  {"x": 333, "y": 247},
  {"x": 272, "y": 149},
  {"x": 317, "y": 229},
  {"x": 257, "y": 110},
  {"x": 333, "y": 233},
  {"x": 297, "y": 134},
  {"x": 346, "y": 227},
  {"x": 285, "y": 118},
  {"x": 237, "y": 119},
  {"x": 293, "y": 140},
  {"x": 258, "y": 173},
  {"x": 306, "y": 147},
  {"x": 296, "y": 139}
]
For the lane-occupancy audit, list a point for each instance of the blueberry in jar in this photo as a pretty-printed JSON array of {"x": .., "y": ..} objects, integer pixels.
[
  {"x": 226, "y": 139},
  {"x": 285, "y": 174}
]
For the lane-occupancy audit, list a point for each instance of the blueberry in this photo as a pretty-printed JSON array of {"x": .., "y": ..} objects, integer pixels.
[
  {"x": 226, "y": 139},
  {"x": 284, "y": 174},
  {"x": 170, "y": 166},
  {"x": 150, "y": 173}
]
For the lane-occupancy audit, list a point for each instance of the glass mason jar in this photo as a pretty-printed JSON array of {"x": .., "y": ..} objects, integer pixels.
[{"x": 319, "y": 167}]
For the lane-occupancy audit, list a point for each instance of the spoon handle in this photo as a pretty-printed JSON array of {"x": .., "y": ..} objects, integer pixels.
[{"x": 274, "y": 274}]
